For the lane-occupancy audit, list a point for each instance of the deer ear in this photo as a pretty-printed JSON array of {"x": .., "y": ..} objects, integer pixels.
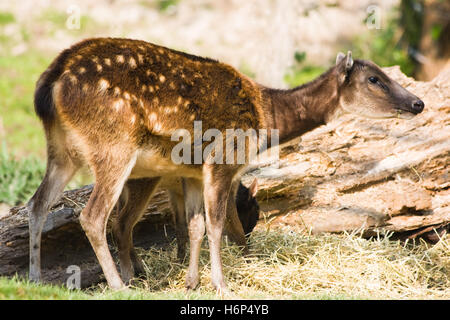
[
  {"x": 348, "y": 61},
  {"x": 339, "y": 57},
  {"x": 253, "y": 189},
  {"x": 344, "y": 64}
]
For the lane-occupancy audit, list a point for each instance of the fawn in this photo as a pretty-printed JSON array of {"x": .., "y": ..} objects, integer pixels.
[{"x": 114, "y": 104}]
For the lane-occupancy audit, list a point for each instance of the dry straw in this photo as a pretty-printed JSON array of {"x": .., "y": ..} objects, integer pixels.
[{"x": 284, "y": 264}]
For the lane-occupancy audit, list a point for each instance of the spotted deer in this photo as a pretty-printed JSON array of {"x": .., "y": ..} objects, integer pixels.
[{"x": 113, "y": 105}]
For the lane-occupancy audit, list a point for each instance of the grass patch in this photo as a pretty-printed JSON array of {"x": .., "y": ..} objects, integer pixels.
[
  {"x": 302, "y": 72},
  {"x": 18, "y": 75},
  {"x": 18, "y": 289},
  {"x": 19, "y": 179},
  {"x": 298, "y": 76},
  {"x": 6, "y": 18}
]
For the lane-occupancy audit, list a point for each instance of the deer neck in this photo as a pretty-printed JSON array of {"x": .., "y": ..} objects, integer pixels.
[{"x": 296, "y": 111}]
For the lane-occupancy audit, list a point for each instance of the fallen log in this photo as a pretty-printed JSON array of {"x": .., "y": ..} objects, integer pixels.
[
  {"x": 368, "y": 175},
  {"x": 64, "y": 243}
]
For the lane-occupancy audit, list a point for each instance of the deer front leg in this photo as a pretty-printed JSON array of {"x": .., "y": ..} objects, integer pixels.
[
  {"x": 217, "y": 183},
  {"x": 196, "y": 227},
  {"x": 111, "y": 174}
]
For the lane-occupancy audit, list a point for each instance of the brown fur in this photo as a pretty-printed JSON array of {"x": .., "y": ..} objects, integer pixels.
[{"x": 113, "y": 104}]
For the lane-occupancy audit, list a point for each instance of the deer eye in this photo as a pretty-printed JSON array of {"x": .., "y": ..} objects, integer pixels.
[{"x": 373, "y": 79}]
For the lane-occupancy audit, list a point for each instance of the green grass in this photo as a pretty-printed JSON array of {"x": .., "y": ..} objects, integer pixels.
[
  {"x": 20, "y": 289},
  {"x": 301, "y": 72},
  {"x": 6, "y": 18},
  {"x": 19, "y": 179},
  {"x": 17, "y": 289},
  {"x": 300, "y": 75},
  {"x": 18, "y": 75}
]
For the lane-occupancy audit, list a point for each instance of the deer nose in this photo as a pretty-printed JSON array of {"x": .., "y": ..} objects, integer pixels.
[{"x": 418, "y": 106}]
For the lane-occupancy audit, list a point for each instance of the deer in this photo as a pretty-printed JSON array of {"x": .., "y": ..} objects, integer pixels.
[
  {"x": 131, "y": 265},
  {"x": 114, "y": 104}
]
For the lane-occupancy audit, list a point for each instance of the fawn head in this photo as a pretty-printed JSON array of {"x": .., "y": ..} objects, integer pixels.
[
  {"x": 247, "y": 206},
  {"x": 367, "y": 91}
]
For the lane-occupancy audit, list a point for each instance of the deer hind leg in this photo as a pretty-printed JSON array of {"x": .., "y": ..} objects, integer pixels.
[
  {"x": 111, "y": 173},
  {"x": 178, "y": 207},
  {"x": 59, "y": 171},
  {"x": 196, "y": 227},
  {"x": 137, "y": 194}
]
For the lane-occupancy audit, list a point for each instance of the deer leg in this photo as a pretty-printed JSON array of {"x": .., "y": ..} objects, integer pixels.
[
  {"x": 111, "y": 174},
  {"x": 57, "y": 175},
  {"x": 233, "y": 226},
  {"x": 217, "y": 183},
  {"x": 196, "y": 227},
  {"x": 137, "y": 194},
  {"x": 177, "y": 203}
]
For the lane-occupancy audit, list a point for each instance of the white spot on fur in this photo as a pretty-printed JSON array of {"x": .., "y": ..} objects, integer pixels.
[
  {"x": 81, "y": 70},
  {"x": 99, "y": 68},
  {"x": 118, "y": 104},
  {"x": 152, "y": 117},
  {"x": 120, "y": 58},
  {"x": 103, "y": 84},
  {"x": 157, "y": 127},
  {"x": 162, "y": 78},
  {"x": 108, "y": 61},
  {"x": 73, "y": 78},
  {"x": 132, "y": 62}
]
